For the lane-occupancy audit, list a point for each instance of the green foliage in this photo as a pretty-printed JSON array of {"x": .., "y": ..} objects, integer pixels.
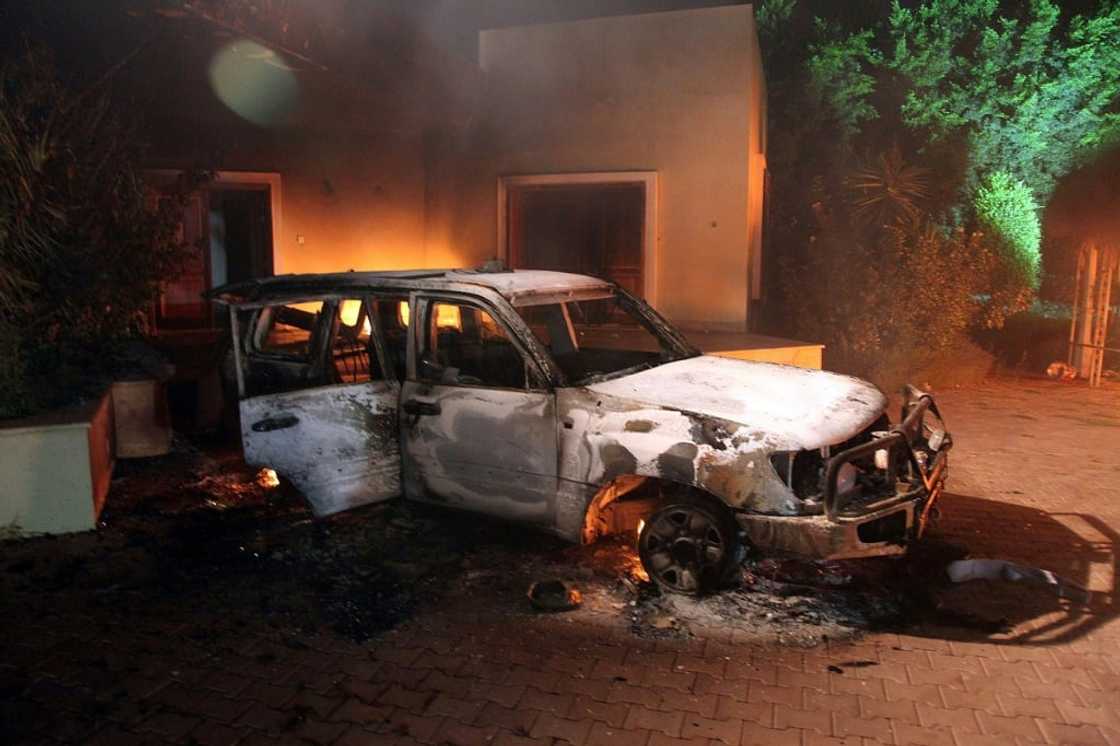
[
  {"x": 838, "y": 73},
  {"x": 888, "y": 190},
  {"x": 772, "y": 15},
  {"x": 82, "y": 250},
  {"x": 1031, "y": 96},
  {"x": 1006, "y": 208},
  {"x": 887, "y": 302},
  {"x": 990, "y": 102}
]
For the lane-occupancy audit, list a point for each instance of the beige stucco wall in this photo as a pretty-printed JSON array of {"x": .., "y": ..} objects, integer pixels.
[
  {"x": 674, "y": 92},
  {"x": 350, "y": 201}
]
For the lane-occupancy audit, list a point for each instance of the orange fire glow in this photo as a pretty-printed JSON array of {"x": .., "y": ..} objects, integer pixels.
[
  {"x": 268, "y": 479},
  {"x": 447, "y": 317}
]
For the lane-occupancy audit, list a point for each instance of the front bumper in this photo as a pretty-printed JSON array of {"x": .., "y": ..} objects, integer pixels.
[{"x": 909, "y": 464}]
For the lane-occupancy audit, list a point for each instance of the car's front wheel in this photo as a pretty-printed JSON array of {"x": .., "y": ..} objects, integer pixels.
[{"x": 689, "y": 545}]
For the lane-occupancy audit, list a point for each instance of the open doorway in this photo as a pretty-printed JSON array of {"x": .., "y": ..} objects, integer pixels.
[
  {"x": 593, "y": 224},
  {"x": 228, "y": 227},
  {"x": 240, "y": 222}
]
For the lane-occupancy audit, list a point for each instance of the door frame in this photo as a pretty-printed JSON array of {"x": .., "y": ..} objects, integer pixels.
[
  {"x": 250, "y": 180},
  {"x": 648, "y": 180}
]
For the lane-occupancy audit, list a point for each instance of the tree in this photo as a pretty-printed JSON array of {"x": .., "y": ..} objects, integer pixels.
[
  {"x": 82, "y": 251},
  {"x": 1031, "y": 95}
]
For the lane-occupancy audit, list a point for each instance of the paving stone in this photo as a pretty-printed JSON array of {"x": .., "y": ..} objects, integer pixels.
[
  {"x": 728, "y": 731},
  {"x": 791, "y": 696},
  {"x": 606, "y": 735},
  {"x": 354, "y": 710},
  {"x": 878, "y": 729},
  {"x": 453, "y": 733},
  {"x": 901, "y": 710},
  {"x": 613, "y": 714},
  {"x": 557, "y": 704},
  {"x": 908, "y": 733},
  {"x": 644, "y": 718},
  {"x": 756, "y": 712},
  {"x": 405, "y": 723},
  {"x": 1072, "y": 734},
  {"x": 517, "y": 720},
  {"x": 461, "y": 710},
  {"x": 961, "y": 720},
  {"x": 1019, "y": 726},
  {"x": 562, "y": 729},
  {"x": 759, "y": 735},
  {"x": 819, "y": 721}
]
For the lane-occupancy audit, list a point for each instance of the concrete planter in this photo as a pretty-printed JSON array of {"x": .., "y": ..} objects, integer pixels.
[
  {"x": 55, "y": 469},
  {"x": 141, "y": 417}
]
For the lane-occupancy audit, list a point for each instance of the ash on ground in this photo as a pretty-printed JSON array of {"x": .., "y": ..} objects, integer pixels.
[{"x": 199, "y": 529}]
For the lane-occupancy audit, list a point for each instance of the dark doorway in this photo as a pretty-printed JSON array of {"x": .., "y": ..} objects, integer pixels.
[
  {"x": 592, "y": 229},
  {"x": 240, "y": 235}
]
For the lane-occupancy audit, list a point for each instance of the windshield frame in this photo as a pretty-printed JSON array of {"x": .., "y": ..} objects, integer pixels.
[{"x": 668, "y": 336}]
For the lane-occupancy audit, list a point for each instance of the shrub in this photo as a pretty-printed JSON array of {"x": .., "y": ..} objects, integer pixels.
[
  {"x": 1006, "y": 208},
  {"x": 83, "y": 247},
  {"x": 892, "y": 302}
]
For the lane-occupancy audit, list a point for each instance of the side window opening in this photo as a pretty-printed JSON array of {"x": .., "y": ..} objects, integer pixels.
[
  {"x": 465, "y": 345},
  {"x": 289, "y": 330},
  {"x": 282, "y": 349},
  {"x": 353, "y": 357}
]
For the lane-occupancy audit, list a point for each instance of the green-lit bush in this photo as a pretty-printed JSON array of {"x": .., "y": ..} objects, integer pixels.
[
  {"x": 82, "y": 247},
  {"x": 891, "y": 302},
  {"x": 1006, "y": 208}
]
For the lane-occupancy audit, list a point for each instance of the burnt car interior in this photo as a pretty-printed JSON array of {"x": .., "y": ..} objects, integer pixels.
[
  {"x": 596, "y": 337},
  {"x": 285, "y": 340},
  {"x": 465, "y": 345},
  {"x": 353, "y": 359}
]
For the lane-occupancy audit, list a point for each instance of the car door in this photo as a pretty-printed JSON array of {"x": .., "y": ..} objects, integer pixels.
[
  {"x": 316, "y": 404},
  {"x": 478, "y": 423}
]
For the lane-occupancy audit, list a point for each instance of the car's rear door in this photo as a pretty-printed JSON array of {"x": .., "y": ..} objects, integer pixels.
[{"x": 316, "y": 405}]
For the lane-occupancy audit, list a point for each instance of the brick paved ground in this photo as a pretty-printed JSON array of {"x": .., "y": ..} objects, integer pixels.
[{"x": 1034, "y": 479}]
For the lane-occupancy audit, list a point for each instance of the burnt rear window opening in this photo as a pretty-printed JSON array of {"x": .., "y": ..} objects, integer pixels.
[{"x": 599, "y": 337}]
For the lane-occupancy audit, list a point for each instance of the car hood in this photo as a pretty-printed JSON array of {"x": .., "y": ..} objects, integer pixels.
[{"x": 789, "y": 408}]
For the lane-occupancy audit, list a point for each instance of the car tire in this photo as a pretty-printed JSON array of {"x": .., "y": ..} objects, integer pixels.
[{"x": 689, "y": 545}]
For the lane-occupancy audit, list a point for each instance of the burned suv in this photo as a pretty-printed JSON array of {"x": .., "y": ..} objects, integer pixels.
[{"x": 563, "y": 402}]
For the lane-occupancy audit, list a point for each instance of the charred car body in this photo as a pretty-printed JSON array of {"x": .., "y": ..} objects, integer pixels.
[{"x": 550, "y": 399}]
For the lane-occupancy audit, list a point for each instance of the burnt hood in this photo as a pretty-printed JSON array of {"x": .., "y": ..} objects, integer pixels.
[{"x": 789, "y": 408}]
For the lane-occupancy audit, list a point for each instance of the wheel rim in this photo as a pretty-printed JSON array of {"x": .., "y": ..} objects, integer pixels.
[{"x": 683, "y": 548}]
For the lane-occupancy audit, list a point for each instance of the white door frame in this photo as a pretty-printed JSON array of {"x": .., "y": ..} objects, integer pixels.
[{"x": 650, "y": 237}]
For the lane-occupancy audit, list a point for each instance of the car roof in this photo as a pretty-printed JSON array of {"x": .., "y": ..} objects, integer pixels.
[{"x": 512, "y": 284}]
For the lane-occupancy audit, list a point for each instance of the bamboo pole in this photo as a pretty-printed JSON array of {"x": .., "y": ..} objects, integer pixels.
[
  {"x": 1105, "y": 311},
  {"x": 1086, "y": 331},
  {"x": 1076, "y": 306}
]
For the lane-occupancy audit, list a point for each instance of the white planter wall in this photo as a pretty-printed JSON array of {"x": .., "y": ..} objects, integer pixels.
[{"x": 55, "y": 469}]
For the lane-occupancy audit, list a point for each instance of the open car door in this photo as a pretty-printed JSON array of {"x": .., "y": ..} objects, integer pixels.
[{"x": 315, "y": 403}]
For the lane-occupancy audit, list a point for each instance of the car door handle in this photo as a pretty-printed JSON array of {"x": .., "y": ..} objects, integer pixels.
[
  {"x": 275, "y": 423},
  {"x": 416, "y": 407}
]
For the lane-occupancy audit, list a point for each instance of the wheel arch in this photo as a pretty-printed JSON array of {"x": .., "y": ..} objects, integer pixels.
[{"x": 655, "y": 490}]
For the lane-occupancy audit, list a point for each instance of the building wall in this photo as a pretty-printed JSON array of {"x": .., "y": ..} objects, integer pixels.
[
  {"x": 675, "y": 92},
  {"x": 351, "y": 202},
  {"x": 351, "y": 163},
  {"x": 402, "y": 171}
]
